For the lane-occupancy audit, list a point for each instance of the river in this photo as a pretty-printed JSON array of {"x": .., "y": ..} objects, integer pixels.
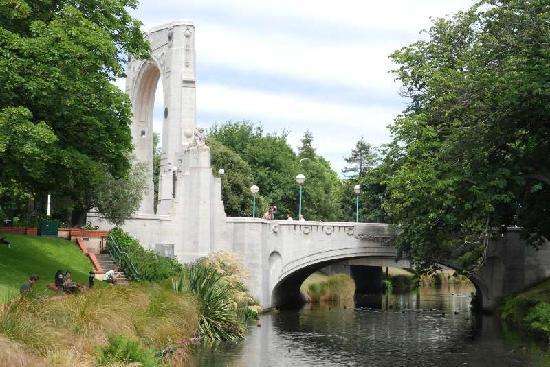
[{"x": 428, "y": 327}]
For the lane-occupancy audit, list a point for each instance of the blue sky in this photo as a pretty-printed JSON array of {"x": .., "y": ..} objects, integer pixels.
[{"x": 300, "y": 65}]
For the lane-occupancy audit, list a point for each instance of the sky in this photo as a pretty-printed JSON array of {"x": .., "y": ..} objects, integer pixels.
[{"x": 314, "y": 65}]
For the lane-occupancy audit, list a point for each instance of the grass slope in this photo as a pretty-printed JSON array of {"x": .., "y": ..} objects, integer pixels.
[{"x": 38, "y": 255}]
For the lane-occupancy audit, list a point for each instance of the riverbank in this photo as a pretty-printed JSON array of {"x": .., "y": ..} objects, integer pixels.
[
  {"x": 529, "y": 311},
  {"x": 149, "y": 322},
  {"x": 103, "y": 324}
]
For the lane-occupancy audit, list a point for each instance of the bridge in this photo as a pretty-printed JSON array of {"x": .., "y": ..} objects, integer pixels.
[{"x": 191, "y": 222}]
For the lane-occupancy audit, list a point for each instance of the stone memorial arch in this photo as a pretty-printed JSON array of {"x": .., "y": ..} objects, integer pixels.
[{"x": 173, "y": 62}]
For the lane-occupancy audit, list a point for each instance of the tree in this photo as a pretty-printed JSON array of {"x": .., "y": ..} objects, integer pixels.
[
  {"x": 272, "y": 162},
  {"x": 273, "y": 168},
  {"x": 471, "y": 153},
  {"x": 363, "y": 157},
  {"x": 156, "y": 169},
  {"x": 119, "y": 198},
  {"x": 364, "y": 170},
  {"x": 306, "y": 150},
  {"x": 322, "y": 189},
  {"x": 236, "y": 181},
  {"x": 57, "y": 63}
]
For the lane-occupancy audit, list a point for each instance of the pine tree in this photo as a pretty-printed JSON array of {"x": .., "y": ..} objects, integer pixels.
[
  {"x": 307, "y": 150},
  {"x": 362, "y": 158}
]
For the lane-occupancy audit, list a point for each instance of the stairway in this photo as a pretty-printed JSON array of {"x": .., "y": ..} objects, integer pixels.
[{"x": 107, "y": 263}]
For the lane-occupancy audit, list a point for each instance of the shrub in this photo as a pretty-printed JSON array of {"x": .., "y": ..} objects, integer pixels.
[
  {"x": 538, "y": 318},
  {"x": 136, "y": 262},
  {"x": 220, "y": 319},
  {"x": 338, "y": 288},
  {"x": 124, "y": 350}
]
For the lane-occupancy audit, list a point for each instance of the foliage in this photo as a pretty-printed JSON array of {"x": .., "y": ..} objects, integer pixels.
[
  {"x": 338, "y": 288},
  {"x": 63, "y": 129},
  {"x": 119, "y": 198},
  {"x": 219, "y": 320},
  {"x": 529, "y": 310},
  {"x": 471, "y": 152},
  {"x": 322, "y": 189},
  {"x": 362, "y": 159},
  {"x": 123, "y": 350},
  {"x": 137, "y": 262},
  {"x": 364, "y": 169},
  {"x": 156, "y": 169},
  {"x": 217, "y": 282},
  {"x": 234, "y": 273},
  {"x": 77, "y": 326},
  {"x": 236, "y": 181},
  {"x": 249, "y": 156},
  {"x": 38, "y": 255},
  {"x": 538, "y": 318}
]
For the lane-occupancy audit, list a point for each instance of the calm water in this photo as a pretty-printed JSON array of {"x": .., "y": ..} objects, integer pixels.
[{"x": 431, "y": 327}]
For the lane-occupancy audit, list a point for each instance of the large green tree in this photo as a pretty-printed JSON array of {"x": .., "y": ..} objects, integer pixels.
[
  {"x": 250, "y": 156},
  {"x": 471, "y": 153},
  {"x": 58, "y": 60}
]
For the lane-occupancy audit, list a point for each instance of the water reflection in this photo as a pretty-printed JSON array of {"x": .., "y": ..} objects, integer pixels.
[{"x": 429, "y": 327}]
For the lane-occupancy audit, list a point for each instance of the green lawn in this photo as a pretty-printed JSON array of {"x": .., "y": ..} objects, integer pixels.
[{"x": 38, "y": 255}]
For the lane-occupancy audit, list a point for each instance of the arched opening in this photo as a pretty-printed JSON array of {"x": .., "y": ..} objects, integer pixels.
[
  {"x": 382, "y": 284},
  {"x": 149, "y": 112}
]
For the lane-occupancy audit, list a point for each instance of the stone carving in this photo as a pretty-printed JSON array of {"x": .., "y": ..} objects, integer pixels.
[
  {"x": 199, "y": 137},
  {"x": 385, "y": 240},
  {"x": 306, "y": 229},
  {"x": 350, "y": 231},
  {"x": 328, "y": 230},
  {"x": 187, "y": 34},
  {"x": 275, "y": 228}
]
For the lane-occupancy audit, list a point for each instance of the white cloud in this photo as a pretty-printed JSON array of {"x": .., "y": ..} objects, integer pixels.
[
  {"x": 344, "y": 43},
  {"x": 352, "y": 64}
]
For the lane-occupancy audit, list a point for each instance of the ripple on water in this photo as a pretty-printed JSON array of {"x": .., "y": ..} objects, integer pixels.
[{"x": 426, "y": 334}]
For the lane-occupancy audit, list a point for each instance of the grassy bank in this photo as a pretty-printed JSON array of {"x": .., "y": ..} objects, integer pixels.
[
  {"x": 338, "y": 288},
  {"x": 38, "y": 255},
  {"x": 529, "y": 311},
  {"x": 151, "y": 323},
  {"x": 102, "y": 326}
]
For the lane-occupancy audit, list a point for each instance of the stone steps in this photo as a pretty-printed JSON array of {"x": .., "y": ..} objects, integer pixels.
[{"x": 107, "y": 263}]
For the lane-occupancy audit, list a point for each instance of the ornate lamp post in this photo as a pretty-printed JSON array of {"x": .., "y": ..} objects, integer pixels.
[
  {"x": 300, "y": 179},
  {"x": 357, "y": 191},
  {"x": 254, "y": 190}
]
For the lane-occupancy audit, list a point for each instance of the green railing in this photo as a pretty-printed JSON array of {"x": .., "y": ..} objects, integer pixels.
[{"x": 122, "y": 259}]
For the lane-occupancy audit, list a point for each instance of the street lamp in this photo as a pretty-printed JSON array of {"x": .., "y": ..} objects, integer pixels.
[
  {"x": 357, "y": 190},
  {"x": 254, "y": 190},
  {"x": 300, "y": 179}
]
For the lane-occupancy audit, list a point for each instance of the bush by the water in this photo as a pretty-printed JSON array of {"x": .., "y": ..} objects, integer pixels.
[
  {"x": 224, "y": 304},
  {"x": 339, "y": 288},
  {"x": 137, "y": 262},
  {"x": 530, "y": 310}
]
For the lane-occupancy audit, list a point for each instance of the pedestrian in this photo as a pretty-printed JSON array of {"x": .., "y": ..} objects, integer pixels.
[
  {"x": 302, "y": 219},
  {"x": 289, "y": 217},
  {"x": 110, "y": 276},
  {"x": 91, "y": 278},
  {"x": 27, "y": 286},
  {"x": 59, "y": 278}
]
